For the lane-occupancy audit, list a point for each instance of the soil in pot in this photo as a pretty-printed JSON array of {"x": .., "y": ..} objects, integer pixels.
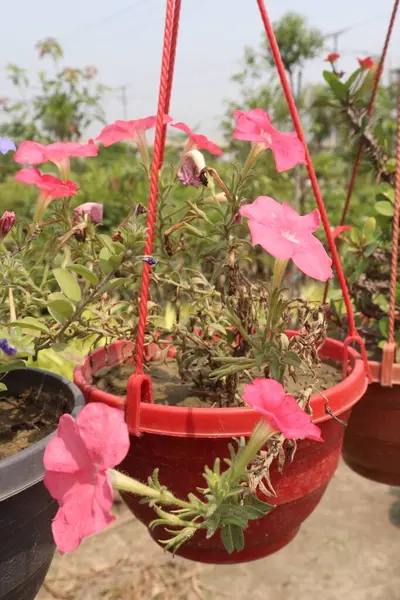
[
  {"x": 169, "y": 389},
  {"x": 27, "y": 418}
]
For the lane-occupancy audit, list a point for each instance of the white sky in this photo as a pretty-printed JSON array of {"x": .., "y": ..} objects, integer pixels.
[{"x": 123, "y": 40}]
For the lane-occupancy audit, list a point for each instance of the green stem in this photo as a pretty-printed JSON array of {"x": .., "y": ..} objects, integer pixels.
[
  {"x": 279, "y": 269},
  {"x": 260, "y": 436},
  {"x": 254, "y": 154},
  {"x": 122, "y": 482}
]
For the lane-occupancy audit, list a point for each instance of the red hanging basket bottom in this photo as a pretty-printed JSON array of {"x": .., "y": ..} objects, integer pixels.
[
  {"x": 181, "y": 441},
  {"x": 181, "y": 462},
  {"x": 372, "y": 439}
]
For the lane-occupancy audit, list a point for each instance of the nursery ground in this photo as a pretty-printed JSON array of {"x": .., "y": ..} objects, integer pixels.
[{"x": 349, "y": 548}]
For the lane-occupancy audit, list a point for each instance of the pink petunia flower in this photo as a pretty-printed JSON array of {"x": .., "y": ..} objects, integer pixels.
[
  {"x": 197, "y": 141},
  {"x": 366, "y": 63},
  {"x": 332, "y": 57},
  {"x": 59, "y": 153},
  {"x": 255, "y": 126},
  {"x": 280, "y": 410},
  {"x": 50, "y": 187},
  {"x": 7, "y": 221},
  {"x": 130, "y": 130},
  {"x": 76, "y": 462},
  {"x": 282, "y": 232},
  {"x": 32, "y": 153},
  {"x": 93, "y": 210}
]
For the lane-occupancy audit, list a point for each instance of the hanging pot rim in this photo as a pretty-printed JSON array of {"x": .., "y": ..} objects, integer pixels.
[{"x": 182, "y": 421}]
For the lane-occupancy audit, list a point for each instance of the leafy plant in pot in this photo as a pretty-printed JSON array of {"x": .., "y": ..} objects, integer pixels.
[
  {"x": 372, "y": 440},
  {"x": 252, "y": 377},
  {"x": 234, "y": 346}
]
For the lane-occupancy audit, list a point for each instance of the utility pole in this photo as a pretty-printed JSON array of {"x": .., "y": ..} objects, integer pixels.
[
  {"x": 335, "y": 35},
  {"x": 124, "y": 101}
]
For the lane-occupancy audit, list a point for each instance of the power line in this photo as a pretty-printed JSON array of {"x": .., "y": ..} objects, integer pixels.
[{"x": 95, "y": 23}]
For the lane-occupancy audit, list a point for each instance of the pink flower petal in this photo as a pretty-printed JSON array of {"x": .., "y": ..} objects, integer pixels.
[
  {"x": 307, "y": 223},
  {"x": 287, "y": 149},
  {"x": 105, "y": 434},
  {"x": 312, "y": 259},
  {"x": 83, "y": 513},
  {"x": 66, "y": 451},
  {"x": 30, "y": 153},
  {"x": 271, "y": 240},
  {"x": 28, "y": 175},
  {"x": 201, "y": 142}
]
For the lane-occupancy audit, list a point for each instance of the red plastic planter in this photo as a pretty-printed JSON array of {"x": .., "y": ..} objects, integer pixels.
[
  {"x": 372, "y": 440},
  {"x": 180, "y": 441}
]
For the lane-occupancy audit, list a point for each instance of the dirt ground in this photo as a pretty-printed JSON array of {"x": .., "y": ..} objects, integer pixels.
[{"x": 349, "y": 549}]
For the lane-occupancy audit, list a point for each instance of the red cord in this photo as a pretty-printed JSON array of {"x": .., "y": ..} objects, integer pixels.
[
  {"x": 164, "y": 96},
  {"x": 314, "y": 183},
  {"x": 395, "y": 244},
  {"x": 369, "y": 113}
]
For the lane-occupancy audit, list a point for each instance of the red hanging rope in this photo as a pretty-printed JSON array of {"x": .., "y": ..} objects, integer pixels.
[
  {"x": 369, "y": 113},
  {"x": 395, "y": 244},
  {"x": 164, "y": 97},
  {"x": 314, "y": 183}
]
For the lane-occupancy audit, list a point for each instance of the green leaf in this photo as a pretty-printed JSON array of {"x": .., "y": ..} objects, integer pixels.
[
  {"x": 60, "y": 309},
  {"x": 68, "y": 284},
  {"x": 354, "y": 235},
  {"x": 3, "y": 387},
  {"x": 352, "y": 79},
  {"x": 12, "y": 365},
  {"x": 369, "y": 229},
  {"x": 338, "y": 88},
  {"x": 385, "y": 208},
  {"x": 227, "y": 539},
  {"x": 383, "y": 325},
  {"x": 104, "y": 258},
  {"x": 30, "y": 323},
  {"x": 237, "y": 538},
  {"x": 107, "y": 242},
  {"x": 84, "y": 272},
  {"x": 114, "y": 284}
]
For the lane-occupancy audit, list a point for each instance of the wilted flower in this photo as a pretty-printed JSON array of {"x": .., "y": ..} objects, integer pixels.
[
  {"x": 6, "y": 223},
  {"x": 92, "y": 209},
  {"x": 189, "y": 171},
  {"x": 150, "y": 260},
  {"x": 6, "y": 145}
]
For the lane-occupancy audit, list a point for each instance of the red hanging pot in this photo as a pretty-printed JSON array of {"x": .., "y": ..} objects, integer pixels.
[
  {"x": 181, "y": 441},
  {"x": 372, "y": 440}
]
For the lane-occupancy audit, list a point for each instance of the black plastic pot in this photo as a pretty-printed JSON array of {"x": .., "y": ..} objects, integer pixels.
[{"x": 26, "y": 507}]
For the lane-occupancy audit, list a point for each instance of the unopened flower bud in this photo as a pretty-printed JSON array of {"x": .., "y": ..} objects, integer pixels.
[
  {"x": 92, "y": 210},
  {"x": 6, "y": 223}
]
